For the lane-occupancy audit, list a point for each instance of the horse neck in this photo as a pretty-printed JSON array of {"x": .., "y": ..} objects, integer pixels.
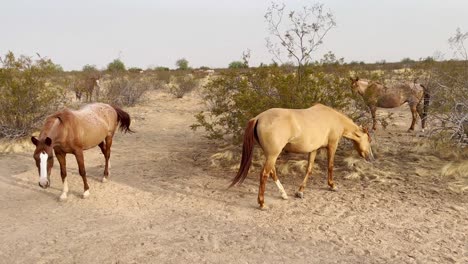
[
  {"x": 51, "y": 129},
  {"x": 350, "y": 129}
]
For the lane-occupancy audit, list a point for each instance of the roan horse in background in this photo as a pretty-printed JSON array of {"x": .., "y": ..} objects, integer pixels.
[
  {"x": 298, "y": 131},
  {"x": 73, "y": 132},
  {"x": 377, "y": 95},
  {"x": 87, "y": 86}
]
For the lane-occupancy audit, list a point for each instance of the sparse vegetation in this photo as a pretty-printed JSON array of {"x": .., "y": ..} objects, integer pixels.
[
  {"x": 26, "y": 93},
  {"x": 182, "y": 84}
]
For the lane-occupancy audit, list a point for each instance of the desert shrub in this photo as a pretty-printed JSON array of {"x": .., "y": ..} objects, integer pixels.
[
  {"x": 233, "y": 98},
  {"x": 182, "y": 84},
  {"x": 116, "y": 66},
  {"x": 26, "y": 94},
  {"x": 449, "y": 94},
  {"x": 135, "y": 70},
  {"x": 164, "y": 76},
  {"x": 126, "y": 89}
]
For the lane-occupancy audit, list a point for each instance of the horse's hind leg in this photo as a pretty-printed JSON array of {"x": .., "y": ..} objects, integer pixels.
[
  {"x": 106, "y": 153},
  {"x": 414, "y": 113},
  {"x": 81, "y": 168},
  {"x": 63, "y": 173},
  {"x": 283, "y": 193},
  {"x": 422, "y": 115},
  {"x": 331, "y": 157},
  {"x": 310, "y": 165},
  {"x": 102, "y": 146},
  {"x": 266, "y": 171}
]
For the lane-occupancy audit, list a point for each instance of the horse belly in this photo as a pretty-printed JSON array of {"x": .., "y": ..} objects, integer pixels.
[
  {"x": 301, "y": 147},
  {"x": 389, "y": 101},
  {"x": 94, "y": 138}
]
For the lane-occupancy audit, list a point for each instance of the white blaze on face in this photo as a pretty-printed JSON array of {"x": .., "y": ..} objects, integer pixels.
[{"x": 43, "y": 168}]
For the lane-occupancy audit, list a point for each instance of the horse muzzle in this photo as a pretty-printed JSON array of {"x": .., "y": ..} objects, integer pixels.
[
  {"x": 370, "y": 157},
  {"x": 44, "y": 185}
]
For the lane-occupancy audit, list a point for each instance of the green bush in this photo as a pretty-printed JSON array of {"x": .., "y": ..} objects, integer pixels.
[
  {"x": 237, "y": 65},
  {"x": 26, "y": 94},
  {"x": 234, "y": 97},
  {"x": 116, "y": 66},
  {"x": 182, "y": 64}
]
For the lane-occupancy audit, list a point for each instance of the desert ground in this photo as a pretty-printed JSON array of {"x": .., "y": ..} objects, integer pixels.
[{"x": 167, "y": 201}]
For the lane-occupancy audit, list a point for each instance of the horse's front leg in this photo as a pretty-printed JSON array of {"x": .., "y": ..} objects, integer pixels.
[
  {"x": 61, "y": 157},
  {"x": 331, "y": 157},
  {"x": 81, "y": 168},
  {"x": 310, "y": 165}
]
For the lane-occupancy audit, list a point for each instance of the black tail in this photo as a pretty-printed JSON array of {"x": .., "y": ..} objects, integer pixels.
[
  {"x": 247, "y": 151},
  {"x": 426, "y": 99},
  {"x": 123, "y": 118}
]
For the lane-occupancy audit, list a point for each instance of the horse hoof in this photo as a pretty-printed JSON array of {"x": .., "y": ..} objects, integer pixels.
[
  {"x": 263, "y": 207},
  {"x": 300, "y": 195},
  {"x": 104, "y": 179},
  {"x": 333, "y": 188},
  {"x": 86, "y": 194},
  {"x": 284, "y": 196},
  {"x": 63, "y": 197}
]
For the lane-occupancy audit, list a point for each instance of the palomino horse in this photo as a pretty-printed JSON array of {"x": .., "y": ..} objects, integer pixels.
[
  {"x": 299, "y": 131},
  {"x": 377, "y": 95},
  {"x": 73, "y": 132}
]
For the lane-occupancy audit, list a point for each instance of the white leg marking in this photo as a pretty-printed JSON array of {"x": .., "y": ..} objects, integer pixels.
[
  {"x": 281, "y": 189},
  {"x": 63, "y": 196},
  {"x": 86, "y": 194},
  {"x": 43, "y": 169},
  {"x": 104, "y": 179}
]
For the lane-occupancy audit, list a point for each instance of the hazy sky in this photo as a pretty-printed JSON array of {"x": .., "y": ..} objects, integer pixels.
[{"x": 215, "y": 32}]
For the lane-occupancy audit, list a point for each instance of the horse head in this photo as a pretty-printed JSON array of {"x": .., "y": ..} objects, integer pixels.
[
  {"x": 362, "y": 144},
  {"x": 43, "y": 155},
  {"x": 358, "y": 85}
]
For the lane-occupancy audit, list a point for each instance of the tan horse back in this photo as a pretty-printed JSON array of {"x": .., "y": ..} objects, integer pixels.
[{"x": 299, "y": 130}]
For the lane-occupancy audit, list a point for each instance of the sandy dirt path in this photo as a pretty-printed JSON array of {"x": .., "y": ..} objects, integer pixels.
[{"x": 165, "y": 203}]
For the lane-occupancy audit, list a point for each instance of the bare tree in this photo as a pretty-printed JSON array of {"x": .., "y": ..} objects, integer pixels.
[
  {"x": 451, "y": 93},
  {"x": 300, "y": 35}
]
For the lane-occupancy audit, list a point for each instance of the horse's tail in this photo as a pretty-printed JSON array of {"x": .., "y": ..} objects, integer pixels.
[
  {"x": 426, "y": 99},
  {"x": 123, "y": 118},
  {"x": 250, "y": 135}
]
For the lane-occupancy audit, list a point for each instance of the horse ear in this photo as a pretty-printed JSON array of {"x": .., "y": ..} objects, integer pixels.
[
  {"x": 34, "y": 141},
  {"x": 48, "y": 141}
]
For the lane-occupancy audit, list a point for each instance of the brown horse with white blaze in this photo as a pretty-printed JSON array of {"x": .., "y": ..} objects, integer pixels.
[
  {"x": 73, "y": 132},
  {"x": 298, "y": 131},
  {"x": 378, "y": 95}
]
